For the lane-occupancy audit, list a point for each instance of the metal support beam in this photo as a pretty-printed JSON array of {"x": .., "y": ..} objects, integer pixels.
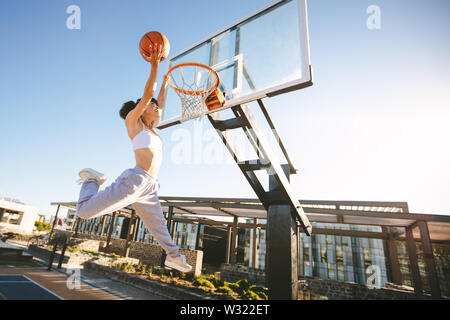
[
  {"x": 352, "y": 233},
  {"x": 299, "y": 252},
  {"x": 111, "y": 227},
  {"x": 413, "y": 261},
  {"x": 77, "y": 224},
  {"x": 254, "y": 244},
  {"x": 54, "y": 223},
  {"x": 277, "y": 136},
  {"x": 102, "y": 229},
  {"x": 391, "y": 255},
  {"x": 276, "y": 171},
  {"x": 265, "y": 156},
  {"x": 430, "y": 265},
  {"x": 228, "y": 252},
  {"x": 169, "y": 219},
  {"x": 136, "y": 224},
  {"x": 395, "y": 266},
  {"x": 234, "y": 240},
  {"x": 130, "y": 231},
  {"x": 197, "y": 237},
  {"x": 174, "y": 229},
  {"x": 282, "y": 258}
]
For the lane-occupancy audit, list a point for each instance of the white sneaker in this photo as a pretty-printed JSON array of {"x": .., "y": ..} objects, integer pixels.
[
  {"x": 178, "y": 263},
  {"x": 88, "y": 174}
]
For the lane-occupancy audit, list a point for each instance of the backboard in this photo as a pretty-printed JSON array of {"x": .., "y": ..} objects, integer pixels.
[{"x": 261, "y": 55}]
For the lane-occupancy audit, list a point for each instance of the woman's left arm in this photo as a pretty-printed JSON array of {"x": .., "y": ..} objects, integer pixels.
[{"x": 162, "y": 93}]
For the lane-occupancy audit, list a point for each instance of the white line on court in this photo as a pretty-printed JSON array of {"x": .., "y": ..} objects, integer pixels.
[{"x": 60, "y": 298}]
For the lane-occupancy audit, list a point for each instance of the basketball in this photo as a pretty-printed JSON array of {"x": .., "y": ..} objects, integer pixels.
[{"x": 154, "y": 38}]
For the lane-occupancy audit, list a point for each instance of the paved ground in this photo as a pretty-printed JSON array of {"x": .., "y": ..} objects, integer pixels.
[
  {"x": 55, "y": 282},
  {"x": 94, "y": 285}
]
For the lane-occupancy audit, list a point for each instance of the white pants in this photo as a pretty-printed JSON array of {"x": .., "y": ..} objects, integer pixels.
[{"x": 134, "y": 186}]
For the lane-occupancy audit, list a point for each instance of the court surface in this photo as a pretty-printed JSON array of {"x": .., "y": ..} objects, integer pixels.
[{"x": 41, "y": 284}]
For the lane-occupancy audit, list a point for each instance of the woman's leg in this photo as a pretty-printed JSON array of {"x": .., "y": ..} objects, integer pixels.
[
  {"x": 149, "y": 209},
  {"x": 124, "y": 191}
]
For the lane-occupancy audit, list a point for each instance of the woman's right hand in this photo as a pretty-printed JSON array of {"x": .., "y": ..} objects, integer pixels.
[{"x": 156, "y": 53}]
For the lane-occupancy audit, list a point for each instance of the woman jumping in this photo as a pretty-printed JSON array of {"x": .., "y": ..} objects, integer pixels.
[{"x": 137, "y": 186}]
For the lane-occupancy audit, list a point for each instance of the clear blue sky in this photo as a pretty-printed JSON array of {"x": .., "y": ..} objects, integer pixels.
[{"x": 373, "y": 127}]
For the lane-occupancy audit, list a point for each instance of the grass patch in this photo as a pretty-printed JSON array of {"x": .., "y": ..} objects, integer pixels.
[
  {"x": 206, "y": 284},
  {"x": 72, "y": 249}
]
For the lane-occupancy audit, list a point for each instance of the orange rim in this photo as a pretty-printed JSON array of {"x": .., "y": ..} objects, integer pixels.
[{"x": 193, "y": 92}]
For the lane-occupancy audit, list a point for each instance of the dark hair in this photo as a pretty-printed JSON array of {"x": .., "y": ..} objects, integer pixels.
[
  {"x": 130, "y": 105},
  {"x": 155, "y": 101}
]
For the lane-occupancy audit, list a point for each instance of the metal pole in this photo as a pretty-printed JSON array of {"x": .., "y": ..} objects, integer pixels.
[
  {"x": 135, "y": 227},
  {"x": 228, "y": 252},
  {"x": 129, "y": 231},
  {"x": 111, "y": 226},
  {"x": 54, "y": 222},
  {"x": 282, "y": 259},
  {"x": 169, "y": 219},
  {"x": 254, "y": 246},
  {"x": 234, "y": 240},
  {"x": 77, "y": 225},
  {"x": 52, "y": 257},
  {"x": 430, "y": 265},
  {"x": 197, "y": 238},
  {"x": 281, "y": 244},
  {"x": 413, "y": 261},
  {"x": 61, "y": 258},
  {"x": 102, "y": 229}
]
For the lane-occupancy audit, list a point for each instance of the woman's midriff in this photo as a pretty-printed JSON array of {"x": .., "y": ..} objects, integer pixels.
[{"x": 149, "y": 160}]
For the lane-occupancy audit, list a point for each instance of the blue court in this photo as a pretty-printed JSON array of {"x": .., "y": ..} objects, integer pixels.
[{"x": 20, "y": 287}]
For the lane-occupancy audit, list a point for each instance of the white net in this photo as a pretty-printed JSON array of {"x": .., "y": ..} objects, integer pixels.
[{"x": 194, "y": 85}]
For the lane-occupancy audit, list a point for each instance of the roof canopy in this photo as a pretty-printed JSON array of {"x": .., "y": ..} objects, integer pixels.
[{"x": 374, "y": 213}]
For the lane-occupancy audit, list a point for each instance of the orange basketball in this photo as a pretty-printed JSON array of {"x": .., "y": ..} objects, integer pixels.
[{"x": 154, "y": 38}]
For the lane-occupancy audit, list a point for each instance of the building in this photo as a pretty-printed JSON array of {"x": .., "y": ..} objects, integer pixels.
[
  {"x": 41, "y": 218},
  {"x": 16, "y": 216},
  {"x": 70, "y": 219},
  {"x": 351, "y": 240}
]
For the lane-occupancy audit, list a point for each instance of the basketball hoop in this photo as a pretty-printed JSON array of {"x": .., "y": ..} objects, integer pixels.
[{"x": 197, "y": 85}]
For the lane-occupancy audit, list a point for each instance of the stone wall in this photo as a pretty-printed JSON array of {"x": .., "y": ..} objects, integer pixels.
[
  {"x": 322, "y": 289},
  {"x": 147, "y": 253},
  {"x": 151, "y": 254},
  {"x": 233, "y": 273}
]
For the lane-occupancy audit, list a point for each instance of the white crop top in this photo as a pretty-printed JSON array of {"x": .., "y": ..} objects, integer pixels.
[{"x": 146, "y": 139}]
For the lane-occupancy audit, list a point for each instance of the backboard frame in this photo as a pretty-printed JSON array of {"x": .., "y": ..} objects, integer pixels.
[{"x": 305, "y": 80}]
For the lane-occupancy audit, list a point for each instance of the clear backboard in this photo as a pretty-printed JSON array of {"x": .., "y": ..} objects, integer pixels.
[{"x": 261, "y": 55}]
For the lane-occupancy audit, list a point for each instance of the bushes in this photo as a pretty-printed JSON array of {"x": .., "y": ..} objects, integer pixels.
[
  {"x": 42, "y": 226},
  {"x": 203, "y": 283},
  {"x": 14, "y": 236},
  {"x": 209, "y": 284},
  {"x": 225, "y": 289},
  {"x": 245, "y": 290}
]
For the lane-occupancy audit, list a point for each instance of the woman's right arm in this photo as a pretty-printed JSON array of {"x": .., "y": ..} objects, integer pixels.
[{"x": 150, "y": 87}]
